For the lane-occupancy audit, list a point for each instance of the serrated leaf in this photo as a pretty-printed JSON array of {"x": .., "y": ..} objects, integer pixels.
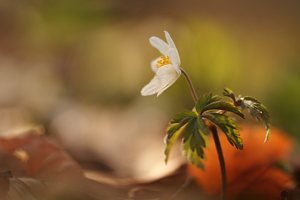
[
  {"x": 202, "y": 126},
  {"x": 228, "y": 126},
  {"x": 223, "y": 105},
  {"x": 258, "y": 111},
  {"x": 185, "y": 114},
  {"x": 170, "y": 142},
  {"x": 193, "y": 127},
  {"x": 174, "y": 130},
  {"x": 194, "y": 140},
  {"x": 192, "y": 155},
  {"x": 204, "y": 100},
  {"x": 179, "y": 120}
]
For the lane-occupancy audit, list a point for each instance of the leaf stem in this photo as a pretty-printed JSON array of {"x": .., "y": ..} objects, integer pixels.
[
  {"x": 215, "y": 137},
  {"x": 221, "y": 160}
]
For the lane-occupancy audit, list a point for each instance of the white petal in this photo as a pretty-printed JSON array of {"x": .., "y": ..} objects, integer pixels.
[
  {"x": 163, "y": 79},
  {"x": 167, "y": 69},
  {"x": 167, "y": 85},
  {"x": 154, "y": 65},
  {"x": 167, "y": 76},
  {"x": 169, "y": 40},
  {"x": 159, "y": 44},
  {"x": 152, "y": 87},
  {"x": 173, "y": 54},
  {"x": 173, "y": 48}
]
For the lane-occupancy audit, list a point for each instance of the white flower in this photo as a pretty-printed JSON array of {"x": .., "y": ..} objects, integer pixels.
[{"x": 165, "y": 67}]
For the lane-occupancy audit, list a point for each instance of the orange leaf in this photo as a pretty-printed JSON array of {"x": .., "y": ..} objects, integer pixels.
[{"x": 250, "y": 171}]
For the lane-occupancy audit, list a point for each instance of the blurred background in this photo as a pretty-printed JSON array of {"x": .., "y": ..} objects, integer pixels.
[{"x": 75, "y": 68}]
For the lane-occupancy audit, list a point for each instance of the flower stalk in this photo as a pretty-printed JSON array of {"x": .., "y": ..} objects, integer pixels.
[{"x": 191, "y": 87}]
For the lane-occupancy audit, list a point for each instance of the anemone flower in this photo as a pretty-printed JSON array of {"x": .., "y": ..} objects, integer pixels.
[{"x": 166, "y": 67}]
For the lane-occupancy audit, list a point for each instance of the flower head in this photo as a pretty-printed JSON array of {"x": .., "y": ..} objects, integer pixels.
[{"x": 166, "y": 67}]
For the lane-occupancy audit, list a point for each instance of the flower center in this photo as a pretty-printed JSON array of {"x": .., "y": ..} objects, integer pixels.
[{"x": 164, "y": 60}]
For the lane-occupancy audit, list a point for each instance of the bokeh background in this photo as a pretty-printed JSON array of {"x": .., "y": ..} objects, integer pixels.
[{"x": 75, "y": 68}]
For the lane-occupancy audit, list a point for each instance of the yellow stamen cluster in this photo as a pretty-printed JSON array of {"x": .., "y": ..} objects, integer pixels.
[{"x": 164, "y": 60}]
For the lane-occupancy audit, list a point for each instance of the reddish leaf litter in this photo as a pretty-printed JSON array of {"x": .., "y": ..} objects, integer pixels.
[{"x": 257, "y": 172}]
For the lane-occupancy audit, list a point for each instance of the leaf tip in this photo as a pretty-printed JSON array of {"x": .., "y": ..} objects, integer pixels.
[{"x": 267, "y": 135}]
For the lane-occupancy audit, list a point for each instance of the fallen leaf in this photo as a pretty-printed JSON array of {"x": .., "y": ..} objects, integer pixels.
[{"x": 251, "y": 172}]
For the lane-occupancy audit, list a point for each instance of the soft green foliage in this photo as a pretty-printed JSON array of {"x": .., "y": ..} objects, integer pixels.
[
  {"x": 211, "y": 110},
  {"x": 191, "y": 126},
  {"x": 258, "y": 111},
  {"x": 255, "y": 107},
  {"x": 228, "y": 126},
  {"x": 194, "y": 140},
  {"x": 229, "y": 93},
  {"x": 205, "y": 100},
  {"x": 193, "y": 131},
  {"x": 192, "y": 155},
  {"x": 214, "y": 102},
  {"x": 225, "y": 106},
  {"x": 175, "y": 128}
]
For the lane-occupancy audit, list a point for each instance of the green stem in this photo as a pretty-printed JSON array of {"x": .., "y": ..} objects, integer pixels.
[
  {"x": 190, "y": 83},
  {"x": 215, "y": 137},
  {"x": 221, "y": 161}
]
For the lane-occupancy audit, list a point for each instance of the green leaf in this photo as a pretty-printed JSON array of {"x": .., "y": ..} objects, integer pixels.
[
  {"x": 214, "y": 102},
  {"x": 228, "y": 126},
  {"x": 229, "y": 93},
  {"x": 223, "y": 105},
  {"x": 192, "y": 155},
  {"x": 204, "y": 100},
  {"x": 258, "y": 111},
  {"x": 170, "y": 140},
  {"x": 185, "y": 114},
  {"x": 175, "y": 128},
  {"x": 202, "y": 126},
  {"x": 194, "y": 135}
]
